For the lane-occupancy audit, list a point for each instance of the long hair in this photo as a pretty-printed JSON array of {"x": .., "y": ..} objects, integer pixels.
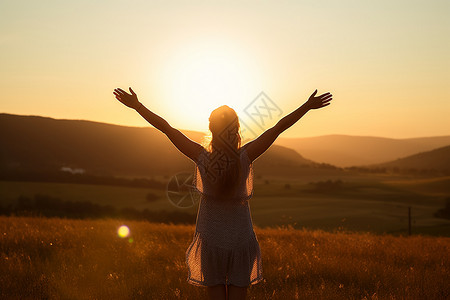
[{"x": 223, "y": 149}]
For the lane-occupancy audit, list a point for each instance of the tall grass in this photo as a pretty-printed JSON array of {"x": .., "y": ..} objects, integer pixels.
[{"x": 85, "y": 259}]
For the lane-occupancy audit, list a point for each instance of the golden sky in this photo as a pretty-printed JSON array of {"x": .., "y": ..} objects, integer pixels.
[{"x": 387, "y": 63}]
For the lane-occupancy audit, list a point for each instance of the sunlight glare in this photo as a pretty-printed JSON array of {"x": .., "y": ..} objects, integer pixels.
[
  {"x": 204, "y": 76},
  {"x": 123, "y": 231}
]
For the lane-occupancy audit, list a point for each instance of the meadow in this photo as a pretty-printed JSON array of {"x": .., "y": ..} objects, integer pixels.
[
  {"x": 44, "y": 258},
  {"x": 378, "y": 204}
]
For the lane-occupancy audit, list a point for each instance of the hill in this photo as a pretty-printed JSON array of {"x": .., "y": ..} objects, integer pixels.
[
  {"x": 438, "y": 159},
  {"x": 46, "y": 144},
  {"x": 347, "y": 151}
]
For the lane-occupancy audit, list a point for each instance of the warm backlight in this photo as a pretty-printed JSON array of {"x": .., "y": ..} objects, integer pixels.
[{"x": 203, "y": 76}]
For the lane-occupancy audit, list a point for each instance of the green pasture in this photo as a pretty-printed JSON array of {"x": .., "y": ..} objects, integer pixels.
[
  {"x": 117, "y": 196},
  {"x": 375, "y": 204}
]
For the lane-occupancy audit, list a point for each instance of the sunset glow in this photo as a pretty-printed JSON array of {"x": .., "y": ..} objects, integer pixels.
[
  {"x": 204, "y": 75},
  {"x": 386, "y": 62}
]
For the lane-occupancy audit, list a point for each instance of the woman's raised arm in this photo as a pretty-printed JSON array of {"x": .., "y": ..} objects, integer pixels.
[
  {"x": 259, "y": 145},
  {"x": 188, "y": 147}
]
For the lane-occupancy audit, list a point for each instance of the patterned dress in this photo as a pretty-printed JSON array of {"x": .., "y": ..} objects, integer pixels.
[{"x": 224, "y": 249}]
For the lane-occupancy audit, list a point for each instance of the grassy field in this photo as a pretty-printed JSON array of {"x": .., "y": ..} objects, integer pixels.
[
  {"x": 378, "y": 204},
  {"x": 85, "y": 259},
  {"x": 118, "y": 196}
]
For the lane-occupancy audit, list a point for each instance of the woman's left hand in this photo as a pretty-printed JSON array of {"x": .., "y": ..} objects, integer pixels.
[{"x": 129, "y": 100}]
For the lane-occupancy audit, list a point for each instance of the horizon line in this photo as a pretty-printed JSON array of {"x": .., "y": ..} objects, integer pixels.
[{"x": 198, "y": 131}]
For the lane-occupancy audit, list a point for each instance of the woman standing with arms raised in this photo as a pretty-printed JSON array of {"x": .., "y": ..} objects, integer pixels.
[{"x": 224, "y": 255}]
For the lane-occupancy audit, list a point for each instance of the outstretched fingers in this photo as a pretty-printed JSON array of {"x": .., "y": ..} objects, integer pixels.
[
  {"x": 329, "y": 98},
  {"x": 118, "y": 95},
  {"x": 326, "y": 95},
  {"x": 325, "y": 99},
  {"x": 321, "y": 100},
  {"x": 326, "y": 102},
  {"x": 121, "y": 92}
]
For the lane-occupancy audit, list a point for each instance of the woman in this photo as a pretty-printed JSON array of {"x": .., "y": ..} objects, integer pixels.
[{"x": 224, "y": 255}]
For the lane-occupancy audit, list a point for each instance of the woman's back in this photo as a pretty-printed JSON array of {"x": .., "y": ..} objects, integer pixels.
[
  {"x": 224, "y": 238},
  {"x": 210, "y": 166},
  {"x": 226, "y": 221}
]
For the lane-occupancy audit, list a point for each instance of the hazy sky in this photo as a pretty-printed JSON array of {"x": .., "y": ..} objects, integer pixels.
[{"x": 386, "y": 62}]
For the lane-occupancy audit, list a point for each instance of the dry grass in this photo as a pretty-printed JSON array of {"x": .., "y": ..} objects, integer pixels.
[{"x": 85, "y": 259}]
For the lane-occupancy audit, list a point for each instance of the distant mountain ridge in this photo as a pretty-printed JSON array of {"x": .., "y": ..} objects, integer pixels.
[{"x": 347, "y": 151}]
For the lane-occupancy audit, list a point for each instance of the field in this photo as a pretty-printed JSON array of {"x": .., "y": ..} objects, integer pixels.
[
  {"x": 85, "y": 259},
  {"x": 378, "y": 204}
]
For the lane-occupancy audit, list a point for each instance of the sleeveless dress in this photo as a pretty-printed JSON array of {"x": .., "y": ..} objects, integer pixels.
[{"x": 224, "y": 249}]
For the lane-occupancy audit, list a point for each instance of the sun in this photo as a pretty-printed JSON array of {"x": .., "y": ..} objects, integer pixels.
[{"x": 205, "y": 75}]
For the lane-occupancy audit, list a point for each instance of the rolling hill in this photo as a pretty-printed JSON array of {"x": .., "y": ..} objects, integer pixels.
[
  {"x": 438, "y": 159},
  {"x": 347, "y": 151},
  {"x": 39, "y": 143}
]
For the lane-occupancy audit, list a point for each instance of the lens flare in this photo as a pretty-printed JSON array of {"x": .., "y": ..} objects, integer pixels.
[{"x": 123, "y": 231}]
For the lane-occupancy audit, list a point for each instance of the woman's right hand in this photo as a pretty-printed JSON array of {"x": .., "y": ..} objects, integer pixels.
[
  {"x": 319, "y": 101},
  {"x": 129, "y": 100}
]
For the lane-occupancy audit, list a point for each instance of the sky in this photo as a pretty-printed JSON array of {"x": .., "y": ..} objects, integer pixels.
[{"x": 386, "y": 62}]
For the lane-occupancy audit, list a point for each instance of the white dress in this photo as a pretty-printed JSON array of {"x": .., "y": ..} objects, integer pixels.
[{"x": 224, "y": 249}]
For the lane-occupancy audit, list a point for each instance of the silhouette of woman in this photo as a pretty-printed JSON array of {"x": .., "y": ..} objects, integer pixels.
[{"x": 224, "y": 254}]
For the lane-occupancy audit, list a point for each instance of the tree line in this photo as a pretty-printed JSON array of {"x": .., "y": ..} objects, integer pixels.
[
  {"x": 66, "y": 177},
  {"x": 48, "y": 206}
]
